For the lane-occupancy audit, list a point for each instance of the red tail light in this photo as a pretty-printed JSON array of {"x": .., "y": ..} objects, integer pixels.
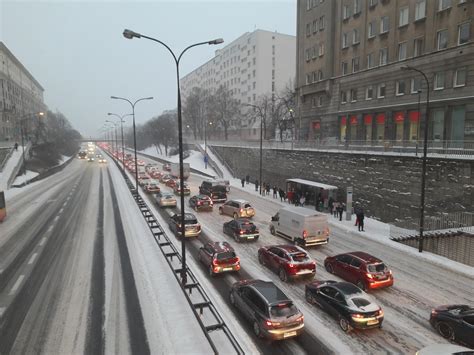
[
  {"x": 241, "y": 232},
  {"x": 290, "y": 265},
  {"x": 305, "y": 234},
  {"x": 270, "y": 324},
  {"x": 241, "y": 210},
  {"x": 214, "y": 262},
  {"x": 199, "y": 203},
  {"x": 300, "y": 319}
]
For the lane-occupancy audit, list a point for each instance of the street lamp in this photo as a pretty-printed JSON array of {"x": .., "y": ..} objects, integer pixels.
[
  {"x": 425, "y": 148},
  {"x": 129, "y": 35},
  {"x": 134, "y": 132},
  {"x": 261, "y": 142},
  {"x": 115, "y": 129},
  {"x": 121, "y": 118}
]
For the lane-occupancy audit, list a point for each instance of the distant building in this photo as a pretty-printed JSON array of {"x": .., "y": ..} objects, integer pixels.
[
  {"x": 349, "y": 83},
  {"x": 257, "y": 63},
  {"x": 20, "y": 95}
]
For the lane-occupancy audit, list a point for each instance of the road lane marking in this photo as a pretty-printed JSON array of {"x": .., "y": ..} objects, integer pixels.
[
  {"x": 56, "y": 218},
  {"x": 16, "y": 285},
  {"x": 33, "y": 258},
  {"x": 68, "y": 198},
  {"x": 60, "y": 211},
  {"x": 42, "y": 241},
  {"x": 2, "y": 310},
  {"x": 50, "y": 228}
]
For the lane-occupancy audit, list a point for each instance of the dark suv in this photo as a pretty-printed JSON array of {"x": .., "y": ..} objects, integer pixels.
[
  {"x": 216, "y": 191},
  {"x": 272, "y": 313}
]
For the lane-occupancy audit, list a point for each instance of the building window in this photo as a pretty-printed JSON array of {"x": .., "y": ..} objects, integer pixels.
[
  {"x": 321, "y": 49},
  {"x": 308, "y": 79},
  {"x": 403, "y": 19},
  {"x": 438, "y": 124},
  {"x": 321, "y": 23},
  {"x": 369, "y": 93},
  {"x": 439, "y": 81},
  {"x": 315, "y": 26},
  {"x": 308, "y": 55},
  {"x": 320, "y": 101},
  {"x": 254, "y": 85},
  {"x": 353, "y": 95},
  {"x": 463, "y": 33},
  {"x": 315, "y": 76},
  {"x": 357, "y": 6},
  {"x": 370, "y": 60},
  {"x": 320, "y": 75},
  {"x": 381, "y": 91},
  {"x": 273, "y": 49},
  {"x": 417, "y": 47},
  {"x": 314, "y": 53},
  {"x": 442, "y": 39},
  {"x": 346, "y": 12},
  {"x": 384, "y": 25},
  {"x": 344, "y": 68},
  {"x": 371, "y": 29},
  {"x": 400, "y": 87},
  {"x": 355, "y": 36},
  {"x": 415, "y": 85},
  {"x": 402, "y": 51},
  {"x": 344, "y": 41},
  {"x": 355, "y": 64},
  {"x": 444, "y": 4},
  {"x": 308, "y": 29},
  {"x": 308, "y": 5},
  {"x": 372, "y": 3},
  {"x": 343, "y": 97},
  {"x": 420, "y": 9},
  {"x": 460, "y": 77},
  {"x": 383, "y": 58}
]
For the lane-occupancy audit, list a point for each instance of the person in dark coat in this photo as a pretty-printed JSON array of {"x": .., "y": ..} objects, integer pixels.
[
  {"x": 340, "y": 210},
  {"x": 360, "y": 218},
  {"x": 268, "y": 188},
  {"x": 256, "y": 185},
  {"x": 282, "y": 194},
  {"x": 243, "y": 182},
  {"x": 275, "y": 192},
  {"x": 247, "y": 179},
  {"x": 16, "y": 146}
]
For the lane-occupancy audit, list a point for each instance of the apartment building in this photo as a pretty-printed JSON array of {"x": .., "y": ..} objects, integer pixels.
[
  {"x": 354, "y": 89},
  {"x": 20, "y": 95},
  {"x": 257, "y": 63}
]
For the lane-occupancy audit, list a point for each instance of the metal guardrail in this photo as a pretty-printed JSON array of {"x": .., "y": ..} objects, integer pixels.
[
  {"x": 7, "y": 156},
  {"x": 211, "y": 161},
  {"x": 173, "y": 258}
]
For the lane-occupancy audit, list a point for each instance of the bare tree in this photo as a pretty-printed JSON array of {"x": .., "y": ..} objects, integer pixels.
[
  {"x": 284, "y": 106},
  {"x": 225, "y": 109},
  {"x": 194, "y": 110},
  {"x": 262, "y": 110}
]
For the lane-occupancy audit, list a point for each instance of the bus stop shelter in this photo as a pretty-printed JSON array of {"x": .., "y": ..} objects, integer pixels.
[{"x": 316, "y": 193}]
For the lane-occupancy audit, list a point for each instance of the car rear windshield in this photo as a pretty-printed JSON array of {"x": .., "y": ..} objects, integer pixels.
[
  {"x": 300, "y": 257},
  {"x": 376, "y": 267},
  {"x": 248, "y": 227},
  {"x": 247, "y": 205},
  {"x": 283, "y": 310},
  {"x": 225, "y": 255},
  {"x": 219, "y": 188},
  {"x": 360, "y": 302}
]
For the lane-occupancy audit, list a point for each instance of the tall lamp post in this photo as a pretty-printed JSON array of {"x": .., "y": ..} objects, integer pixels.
[
  {"x": 425, "y": 149},
  {"x": 261, "y": 142},
  {"x": 134, "y": 132},
  {"x": 121, "y": 118},
  {"x": 115, "y": 129},
  {"x": 130, "y": 35}
]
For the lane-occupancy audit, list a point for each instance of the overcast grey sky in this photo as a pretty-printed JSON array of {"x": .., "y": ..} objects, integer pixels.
[{"x": 76, "y": 50}]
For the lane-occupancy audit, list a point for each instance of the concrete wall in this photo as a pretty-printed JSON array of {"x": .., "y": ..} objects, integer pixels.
[{"x": 387, "y": 186}]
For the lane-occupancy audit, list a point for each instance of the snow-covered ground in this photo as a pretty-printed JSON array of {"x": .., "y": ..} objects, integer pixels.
[
  {"x": 11, "y": 164},
  {"x": 25, "y": 177}
]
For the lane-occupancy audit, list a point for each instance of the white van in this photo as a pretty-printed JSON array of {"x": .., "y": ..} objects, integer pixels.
[{"x": 301, "y": 225}]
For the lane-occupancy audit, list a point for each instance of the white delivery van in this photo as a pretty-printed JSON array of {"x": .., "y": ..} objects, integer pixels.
[{"x": 301, "y": 225}]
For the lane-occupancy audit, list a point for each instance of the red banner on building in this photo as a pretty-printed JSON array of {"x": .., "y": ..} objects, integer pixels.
[
  {"x": 380, "y": 118},
  {"x": 399, "y": 117},
  {"x": 316, "y": 125},
  {"x": 414, "y": 116},
  {"x": 353, "y": 120},
  {"x": 343, "y": 120},
  {"x": 368, "y": 119}
]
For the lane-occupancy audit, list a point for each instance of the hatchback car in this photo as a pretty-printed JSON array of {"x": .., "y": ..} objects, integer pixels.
[
  {"x": 171, "y": 183},
  {"x": 201, "y": 202},
  {"x": 219, "y": 257},
  {"x": 177, "y": 188},
  {"x": 237, "y": 209},
  {"x": 152, "y": 187},
  {"x": 271, "y": 312},
  {"x": 167, "y": 167},
  {"x": 165, "y": 199},
  {"x": 143, "y": 180},
  {"x": 289, "y": 261},
  {"x": 348, "y": 303},
  {"x": 165, "y": 178},
  {"x": 192, "y": 228},
  {"x": 362, "y": 269},
  {"x": 241, "y": 229},
  {"x": 454, "y": 322}
]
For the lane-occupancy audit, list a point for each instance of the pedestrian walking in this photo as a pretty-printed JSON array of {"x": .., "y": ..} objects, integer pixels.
[
  {"x": 356, "y": 211},
  {"x": 267, "y": 188},
  {"x": 256, "y": 185},
  {"x": 282, "y": 194},
  {"x": 302, "y": 200},
  {"x": 243, "y": 182},
  {"x": 361, "y": 221},
  {"x": 340, "y": 210},
  {"x": 247, "y": 179},
  {"x": 275, "y": 192},
  {"x": 335, "y": 207},
  {"x": 16, "y": 146}
]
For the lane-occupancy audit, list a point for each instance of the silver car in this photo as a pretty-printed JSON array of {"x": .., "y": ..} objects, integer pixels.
[
  {"x": 237, "y": 209},
  {"x": 165, "y": 199}
]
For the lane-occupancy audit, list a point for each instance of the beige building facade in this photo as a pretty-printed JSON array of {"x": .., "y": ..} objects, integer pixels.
[
  {"x": 20, "y": 96},
  {"x": 356, "y": 91}
]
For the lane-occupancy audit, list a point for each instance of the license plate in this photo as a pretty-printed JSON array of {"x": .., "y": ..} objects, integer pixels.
[
  {"x": 227, "y": 269},
  {"x": 372, "y": 322},
  {"x": 250, "y": 237},
  {"x": 205, "y": 204},
  {"x": 289, "y": 334}
]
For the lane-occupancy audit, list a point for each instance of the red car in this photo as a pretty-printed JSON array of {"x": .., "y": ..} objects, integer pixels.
[
  {"x": 219, "y": 257},
  {"x": 289, "y": 261},
  {"x": 362, "y": 269},
  {"x": 171, "y": 183}
]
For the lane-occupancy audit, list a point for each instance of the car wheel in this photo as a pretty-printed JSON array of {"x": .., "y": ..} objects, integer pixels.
[
  {"x": 236, "y": 238},
  {"x": 445, "y": 330},
  {"x": 344, "y": 324},
  {"x": 211, "y": 271},
  {"x": 256, "y": 329},
  {"x": 309, "y": 297},
  {"x": 236, "y": 215},
  {"x": 221, "y": 211},
  {"x": 261, "y": 259},
  {"x": 272, "y": 230},
  {"x": 283, "y": 275},
  {"x": 232, "y": 298},
  {"x": 361, "y": 285},
  {"x": 329, "y": 268}
]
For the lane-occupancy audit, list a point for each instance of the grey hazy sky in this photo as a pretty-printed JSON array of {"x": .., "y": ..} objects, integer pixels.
[{"x": 76, "y": 50}]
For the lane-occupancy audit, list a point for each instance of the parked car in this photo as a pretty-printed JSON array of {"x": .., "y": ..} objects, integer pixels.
[
  {"x": 241, "y": 229},
  {"x": 271, "y": 312},
  {"x": 152, "y": 187},
  {"x": 219, "y": 257},
  {"x": 454, "y": 322},
  {"x": 216, "y": 191},
  {"x": 191, "y": 225},
  {"x": 237, "y": 209},
  {"x": 288, "y": 261},
  {"x": 177, "y": 188},
  {"x": 165, "y": 199},
  {"x": 346, "y": 302},
  {"x": 362, "y": 269},
  {"x": 201, "y": 202}
]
